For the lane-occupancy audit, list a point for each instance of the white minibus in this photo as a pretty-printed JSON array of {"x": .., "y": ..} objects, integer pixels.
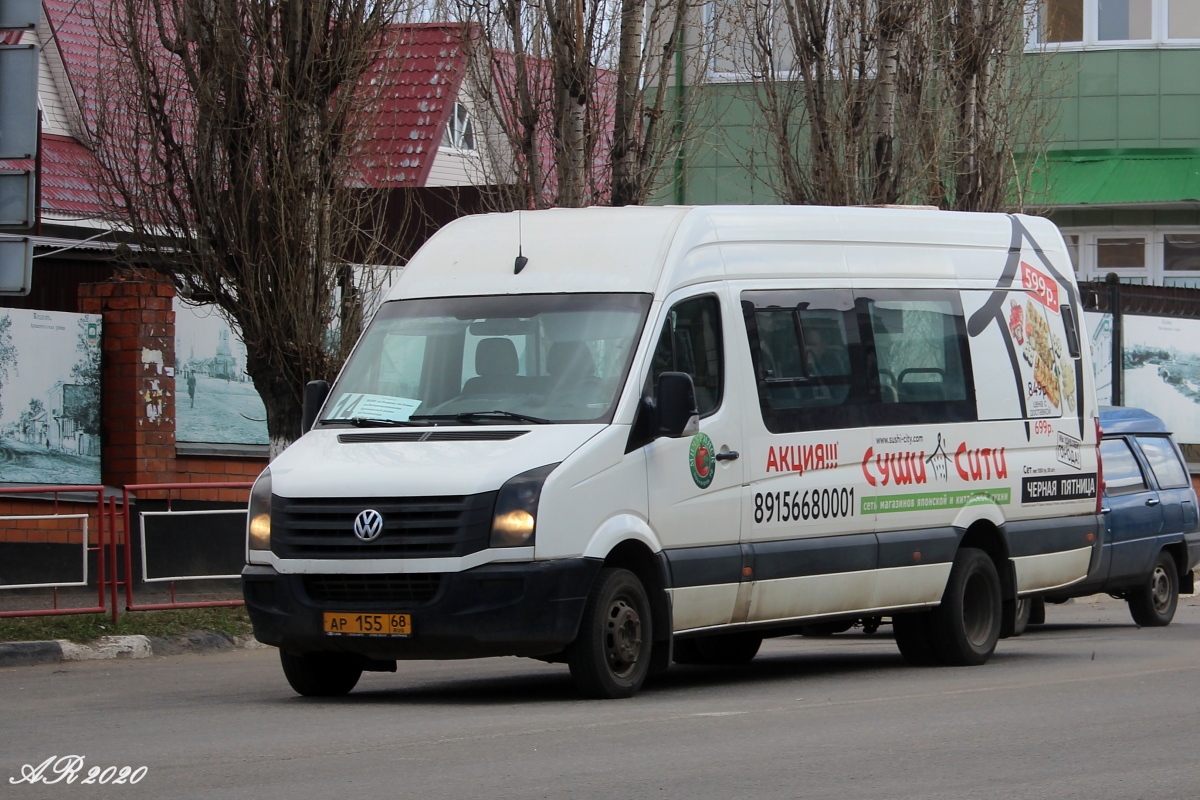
[{"x": 622, "y": 437}]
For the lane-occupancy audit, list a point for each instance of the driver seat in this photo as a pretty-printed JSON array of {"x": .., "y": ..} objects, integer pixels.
[{"x": 496, "y": 366}]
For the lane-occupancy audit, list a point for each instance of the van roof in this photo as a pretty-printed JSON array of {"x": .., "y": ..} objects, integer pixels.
[
  {"x": 626, "y": 249},
  {"x": 1124, "y": 419}
]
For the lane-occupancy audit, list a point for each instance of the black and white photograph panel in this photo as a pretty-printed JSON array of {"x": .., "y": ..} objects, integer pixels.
[
  {"x": 49, "y": 397},
  {"x": 215, "y": 400}
]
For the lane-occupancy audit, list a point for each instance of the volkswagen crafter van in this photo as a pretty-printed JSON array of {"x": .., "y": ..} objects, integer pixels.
[{"x": 620, "y": 437}]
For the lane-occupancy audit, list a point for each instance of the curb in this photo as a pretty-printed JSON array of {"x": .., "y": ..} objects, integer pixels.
[{"x": 24, "y": 654}]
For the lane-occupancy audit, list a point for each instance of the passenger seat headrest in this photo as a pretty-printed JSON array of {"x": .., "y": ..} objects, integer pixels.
[
  {"x": 570, "y": 359},
  {"x": 496, "y": 358}
]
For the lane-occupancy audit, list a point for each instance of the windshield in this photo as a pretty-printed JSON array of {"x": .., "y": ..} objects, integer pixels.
[{"x": 491, "y": 360}]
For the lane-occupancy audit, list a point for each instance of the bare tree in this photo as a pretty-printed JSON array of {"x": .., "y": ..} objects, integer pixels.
[
  {"x": 225, "y": 131},
  {"x": 887, "y": 101},
  {"x": 994, "y": 104},
  {"x": 578, "y": 99}
]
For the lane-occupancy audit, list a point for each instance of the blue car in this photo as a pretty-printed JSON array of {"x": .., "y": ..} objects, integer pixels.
[{"x": 1152, "y": 539}]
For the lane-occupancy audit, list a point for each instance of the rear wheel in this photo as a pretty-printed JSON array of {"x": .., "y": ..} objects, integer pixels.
[
  {"x": 966, "y": 626},
  {"x": 1037, "y": 611},
  {"x": 321, "y": 674},
  {"x": 1024, "y": 610},
  {"x": 611, "y": 654},
  {"x": 826, "y": 628},
  {"x": 727, "y": 649},
  {"x": 1153, "y": 604}
]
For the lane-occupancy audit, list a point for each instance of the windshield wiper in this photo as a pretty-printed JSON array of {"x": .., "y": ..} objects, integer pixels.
[
  {"x": 372, "y": 422},
  {"x": 478, "y": 416}
]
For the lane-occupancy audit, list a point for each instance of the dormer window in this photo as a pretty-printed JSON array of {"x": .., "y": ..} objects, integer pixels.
[{"x": 460, "y": 130}]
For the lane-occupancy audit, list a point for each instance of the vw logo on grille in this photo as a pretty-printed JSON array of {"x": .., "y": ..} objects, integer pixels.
[{"x": 368, "y": 524}]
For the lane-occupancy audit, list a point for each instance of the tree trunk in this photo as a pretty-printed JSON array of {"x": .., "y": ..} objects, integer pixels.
[{"x": 626, "y": 181}]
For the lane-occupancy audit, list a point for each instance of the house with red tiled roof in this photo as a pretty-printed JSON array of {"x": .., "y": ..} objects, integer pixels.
[{"x": 421, "y": 140}]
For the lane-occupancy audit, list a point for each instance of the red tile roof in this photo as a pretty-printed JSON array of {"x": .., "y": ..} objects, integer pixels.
[
  {"x": 67, "y": 172},
  {"x": 74, "y": 24},
  {"x": 417, "y": 80}
]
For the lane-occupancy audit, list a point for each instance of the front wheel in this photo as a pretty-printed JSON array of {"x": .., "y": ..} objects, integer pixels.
[
  {"x": 966, "y": 626},
  {"x": 321, "y": 674},
  {"x": 611, "y": 655},
  {"x": 1153, "y": 604},
  {"x": 915, "y": 638}
]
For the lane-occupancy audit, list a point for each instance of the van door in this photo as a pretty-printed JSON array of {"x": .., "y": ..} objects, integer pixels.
[
  {"x": 695, "y": 482},
  {"x": 808, "y": 515}
]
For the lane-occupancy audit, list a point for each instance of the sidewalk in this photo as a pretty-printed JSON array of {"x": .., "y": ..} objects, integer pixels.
[
  {"x": 133, "y": 646},
  {"x": 23, "y": 654}
]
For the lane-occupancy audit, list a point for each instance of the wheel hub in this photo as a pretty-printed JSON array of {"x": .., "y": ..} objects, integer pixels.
[
  {"x": 623, "y": 637},
  {"x": 1160, "y": 589}
]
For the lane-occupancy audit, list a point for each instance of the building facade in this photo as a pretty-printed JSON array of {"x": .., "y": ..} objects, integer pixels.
[{"x": 1122, "y": 173}]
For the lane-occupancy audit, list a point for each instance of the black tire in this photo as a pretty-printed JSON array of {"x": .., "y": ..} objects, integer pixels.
[
  {"x": 611, "y": 654},
  {"x": 321, "y": 674},
  {"x": 966, "y": 626},
  {"x": 1153, "y": 604},
  {"x": 1023, "y": 613},
  {"x": 726, "y": 649},
  {"x": 826, "y": 628},
  {"x": 914, "y": 639},
  {"x": 1037, "y": 611}
]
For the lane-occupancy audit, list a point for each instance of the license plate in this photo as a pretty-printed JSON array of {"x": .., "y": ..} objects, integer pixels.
[{"x": 354, "y": 624}]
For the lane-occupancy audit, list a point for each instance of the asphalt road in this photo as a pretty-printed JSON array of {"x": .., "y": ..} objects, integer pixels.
[{"x": 1088, "y": 706}]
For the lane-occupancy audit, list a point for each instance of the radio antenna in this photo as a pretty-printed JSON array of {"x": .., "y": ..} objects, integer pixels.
[{"x": 521, "y": 261}]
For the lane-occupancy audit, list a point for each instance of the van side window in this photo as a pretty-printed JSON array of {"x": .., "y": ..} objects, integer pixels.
[
  {"x": 808, "y": 360},
  {"x": 691, "y": 342},
  {"x": 827, "y": 359},
  {"x": 1164, "y": 463},
  {"x": 919, "y": 349},
  {"x": 1122, "y": 474}
]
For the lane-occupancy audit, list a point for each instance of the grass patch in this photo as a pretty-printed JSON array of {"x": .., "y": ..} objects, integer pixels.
[{"x": 85, "y": 628}]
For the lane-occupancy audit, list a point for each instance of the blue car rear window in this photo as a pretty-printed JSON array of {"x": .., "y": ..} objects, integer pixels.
[{"x": 1164, "y": 463}]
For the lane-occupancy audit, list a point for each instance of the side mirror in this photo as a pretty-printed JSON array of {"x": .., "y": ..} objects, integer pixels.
[
  {"x": 677, "y": 412},
  {"x": 314, "y": 397}
]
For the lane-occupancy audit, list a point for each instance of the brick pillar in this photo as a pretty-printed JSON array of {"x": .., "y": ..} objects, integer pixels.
[{"x": 137, "y": 380}]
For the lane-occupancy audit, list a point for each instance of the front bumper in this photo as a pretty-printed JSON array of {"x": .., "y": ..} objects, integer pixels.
[{"x": 527, "y": 609}]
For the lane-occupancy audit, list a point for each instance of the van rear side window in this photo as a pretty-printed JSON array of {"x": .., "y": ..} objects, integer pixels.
[{"x": 827, "y": 359}]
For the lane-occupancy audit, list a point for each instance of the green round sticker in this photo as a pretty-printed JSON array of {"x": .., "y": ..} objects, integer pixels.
[{"x": 702, "y": 460}]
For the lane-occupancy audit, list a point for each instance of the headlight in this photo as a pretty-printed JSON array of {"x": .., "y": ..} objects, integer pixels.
[
  {"x": 515, "y": 517},
  {"x": 258, "y": 517}
]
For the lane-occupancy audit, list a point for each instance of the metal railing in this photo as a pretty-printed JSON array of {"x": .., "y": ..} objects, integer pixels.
[
  {"x": 102, "y": 568},
  {"x": 128, "y": 495}
]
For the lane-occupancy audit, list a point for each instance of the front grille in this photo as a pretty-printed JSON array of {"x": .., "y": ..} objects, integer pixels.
[
  {"x": 413, "y": 527},
  {"x": 414, "y": 588}
]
